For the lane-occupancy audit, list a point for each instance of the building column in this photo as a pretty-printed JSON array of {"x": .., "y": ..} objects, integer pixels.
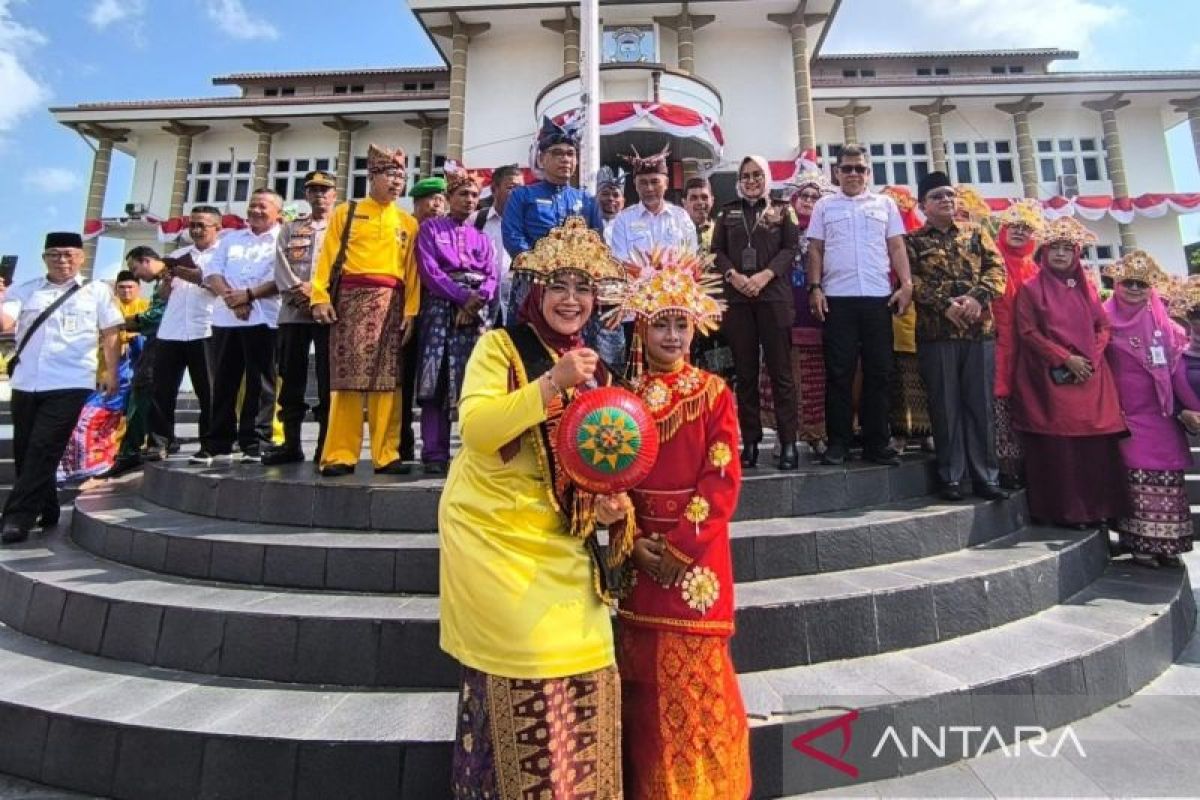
[
  {"x": 568, "y": 26},
  {"x": 262, "y": 157},
  {"x": 849, "y": 114},
  {"x": 1114, "y": 160},
  {"x": 937, "y": 137},
  {"x": 797, "y": 24},
  {"x": 183, "y": 157},
  {"x": 426, "y": 126},
  {"x": 685, "y": 25},
  {"x": 345, "y": 130},
  {"x": 1020, "y": 112},
  {"x": 460, "y": 34},
  {"x": 98, "y": 185},
  {"x": 1192, "y": 109}
]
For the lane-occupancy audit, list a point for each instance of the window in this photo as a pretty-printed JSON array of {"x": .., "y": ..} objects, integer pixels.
[
  {"x": 287, "y": 91},
  {"x": 924, "y": 72},
  {"x": 427, "y": 86},
  {"x": 867, "y": 73},
  {"x": 271, "y": 91},
  {"x": 1010, "y": 69},
  {"x": 1081, "y": 157},
  {"x": 280, "y": 91},
  {"x": 219, "y": 181},
  {"x": 360, "y": 179},
  {"x": 858, "y": 73},
  {"x": 999, "y": 70},
  {"x": 340, "y": 89},
  {"x": 892, "y": 163},
  {"x": 410, "y": 87},
  {"x": 629, "y": 44},
  {"x": 1015, "y": 69},
  {"x": 983, "y": 161},
  {"x": 849, "y": 73},
  {"x": 941, "y": 70},
  {"x": 288, "y": 178}
]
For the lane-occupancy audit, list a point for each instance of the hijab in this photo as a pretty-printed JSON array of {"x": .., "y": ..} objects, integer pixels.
[
  {"x": 762, "y": 164},
  {"x": 1019, "y": 263},
  {"x": 1149, "y": 325},
  {"x": 1067, "y": 305},
  {"x": 531, "y": 314}
]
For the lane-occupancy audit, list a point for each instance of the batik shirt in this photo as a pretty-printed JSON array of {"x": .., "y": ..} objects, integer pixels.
[{"x": 962, "y": 260}]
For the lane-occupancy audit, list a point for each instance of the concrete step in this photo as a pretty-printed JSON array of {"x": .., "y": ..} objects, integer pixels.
[
  {"x": 136, "y": 732},
  {"x": 1061, "y": 665},
  {"x": 122, "y": 526},
  {"x": 58, "y": 592},
  {"x": 295, "y": 494}
]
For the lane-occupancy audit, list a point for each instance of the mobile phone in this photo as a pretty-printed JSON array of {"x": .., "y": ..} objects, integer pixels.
[{"x": 8, "y": 268}]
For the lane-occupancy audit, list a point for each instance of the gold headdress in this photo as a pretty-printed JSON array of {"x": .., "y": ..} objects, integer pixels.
[
  {"x": 1137, "y": 266},
  {"x": 457, "y": 177},
  {"x": 814, "y": 177},
  {"x": 971, "y": 203},
  {"x": 380, "y": 159},
  {"x": 673, "y": 281},
  {"x": 572, "y": 247},
  {"x": 1183, "y": 297},
  {"x": 1067, "y": 229},
  {"x": 1027, "y": 212},
  {"x": 902, "y": 196}
]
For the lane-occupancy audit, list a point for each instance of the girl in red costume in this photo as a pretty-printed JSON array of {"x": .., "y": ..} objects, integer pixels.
[{"x": 682, "y": 715}]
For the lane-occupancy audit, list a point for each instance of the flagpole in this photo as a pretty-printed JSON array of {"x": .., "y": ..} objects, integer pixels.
[{"x": 589, "y": 99}]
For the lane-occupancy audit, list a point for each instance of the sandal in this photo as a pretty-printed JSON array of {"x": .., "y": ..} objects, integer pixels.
[{"x": 1145, "y": 560}]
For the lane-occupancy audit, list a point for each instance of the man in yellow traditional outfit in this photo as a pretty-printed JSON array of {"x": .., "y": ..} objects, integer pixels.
[
  {"x": 366, "y": 286},
  {"x": 540, "y": 698}
]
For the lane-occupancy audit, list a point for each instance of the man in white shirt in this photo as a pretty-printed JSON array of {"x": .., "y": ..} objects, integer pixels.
[
  {"x": 53, "y": 374},
  {"x": 185, "y": 333},
  {"x": 488, "y": 221},
  {"x": 245, "y": 315},
  {"x": 855, "y": 244},
  {"x": 652, "y": 222}
]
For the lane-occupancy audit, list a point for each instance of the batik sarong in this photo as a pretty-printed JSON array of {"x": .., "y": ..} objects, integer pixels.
[
  {"x": 1009, "y": 451},
  {"x": 685, "y": 730},
  {"x": 519, "y": 739},
  {"x": 445, "y": 348},
  {"x": 364, "y": 346},
  {"x": 1159, "y": 521},
  {"x": 909, "y": 403}
]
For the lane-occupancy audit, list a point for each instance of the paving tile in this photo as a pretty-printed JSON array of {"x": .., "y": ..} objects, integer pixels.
[
  {"x": 149, "y": 551},
  {"x": 397, "y": 666},
  {"x": 158, "y": 763},
  {"x": 960, "y": 606},
  {"x": 190, "y": 640},
  {"x": 340, "y": 506},
  {"x": 45, "y": 611},
  {"x": 80, "y": 755},
  {"x": 426, "y": 772},
  {"x": 783, "y": 556},
  {"x": 769, "y": 636},
  {"x": 906, "y": 619},
  {"x": 236, "y": 562},
  {"x": 82, "y": 623},
  {"x": 131, "y": 632},
  {"x": 844, "y": 549},
  {"x": 240, "y": 498},
  {"x": 23, "y": 741},
  {"x": 361, "y": 570},
  {"x": 188, "y": 557},
  {"x": 259, "y": 646},
  {"x": 286, "y": 503},
  {"x": 357, "y": 771},
  {"x": 250, "y": 768},
  {"x": 342, "y": 652},
  {"x": 299, "y": 567},
  {"x": 841, "y": 628}
]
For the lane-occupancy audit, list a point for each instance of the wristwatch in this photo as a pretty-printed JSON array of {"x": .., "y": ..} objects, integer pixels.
[{"x": 812, "y": 287}]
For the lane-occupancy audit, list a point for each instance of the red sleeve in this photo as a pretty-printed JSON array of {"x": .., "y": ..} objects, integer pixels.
[
  {"x": 1030, "y": 333},
  {"x": 718, "y": 484}
]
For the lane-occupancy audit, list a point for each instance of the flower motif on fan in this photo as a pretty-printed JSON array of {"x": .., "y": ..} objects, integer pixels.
[
  {"x": 700, "y": 588},
  {"x": 609, "y": 439}
]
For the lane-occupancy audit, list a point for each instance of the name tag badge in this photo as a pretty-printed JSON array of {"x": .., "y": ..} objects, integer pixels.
[
  {"x": 735, "y": 213},
  {"x": 544, "y": 201},
  {"x": 1158, "y": 355},
  {"x": 749, "y": 260},
  {"x": 71, "y": 322}
]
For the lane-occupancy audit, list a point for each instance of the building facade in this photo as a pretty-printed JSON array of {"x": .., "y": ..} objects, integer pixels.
[{"x": 713, "y": 80}]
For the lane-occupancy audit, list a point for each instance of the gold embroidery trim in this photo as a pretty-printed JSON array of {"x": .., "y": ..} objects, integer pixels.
[
  {"x": 705, "y": 625},
  {"x": 688, "y": 409}
]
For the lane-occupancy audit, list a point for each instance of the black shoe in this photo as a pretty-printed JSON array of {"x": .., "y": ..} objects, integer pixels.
[
  {"x": 172, "y": 448},
  {"x": 49, "y": 518},
  {"x": 789, "y": 456},
  {"x": 201, "y": 458},
  {"x": 885, "y": 456},
  {"x": 283, "y": 455},
  {"x": 951, "y": 491},
  {"x": 154, "y": 454},
  {"x": 435, "y": 467},
  {"x": 750, "y": 455},
  {"x": 835, "y": 456},
  {"x": 14, "y": 532},
  {"x": 1014, "y": 483},
  {"x": 990, "y": 491},
  {"x": 336, "y": 470},
  {"x": 122, "y": 465},
  {"x": 397, "y": 467}
]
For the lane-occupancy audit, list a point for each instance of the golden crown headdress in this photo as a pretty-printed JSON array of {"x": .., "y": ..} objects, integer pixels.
[
  {"x": 1137, "y": 266},
  {"x": 673, "y": 281},
  {"x": 1068, "y": 229},
  {"x": 572, "y": 247},
  {"x": 1183, "y": 297},
  {"x": 902, "y": 196},
  {"x": 1028, "y": 213},
  {"x": 971, "y": 202},
  {"x": 814, "y": 177}
]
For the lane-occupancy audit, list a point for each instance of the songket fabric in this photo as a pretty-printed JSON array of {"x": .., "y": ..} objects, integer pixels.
[
  {"x": 364, "y": 345},
  {"x": 524, "y": 738},
  {"x": 909, "y": 412},
  {"x": 685, "y": 726}
]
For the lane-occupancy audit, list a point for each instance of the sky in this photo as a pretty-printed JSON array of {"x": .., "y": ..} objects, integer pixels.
[{"x": 62, "y": 52}]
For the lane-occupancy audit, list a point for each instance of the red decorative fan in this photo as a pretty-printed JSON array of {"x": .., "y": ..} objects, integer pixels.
[{"x": 607, "y": 440}]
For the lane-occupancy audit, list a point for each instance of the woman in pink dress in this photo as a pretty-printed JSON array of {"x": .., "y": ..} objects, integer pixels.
[{"x": 1145, "y": 354}]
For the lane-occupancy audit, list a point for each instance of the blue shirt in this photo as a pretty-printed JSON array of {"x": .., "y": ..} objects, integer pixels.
[{"x": 532, "y": 211}]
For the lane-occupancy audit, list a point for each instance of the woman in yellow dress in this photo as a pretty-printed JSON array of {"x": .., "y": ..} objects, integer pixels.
[{"x": 521, "y": 605}]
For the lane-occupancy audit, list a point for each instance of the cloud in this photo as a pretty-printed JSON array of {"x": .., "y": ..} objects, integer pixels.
[
  {"x": 972, "y": 24},
  {"x": 233, "y": 19},
  {"x": 20, "y": 92},
  {"x": 106, "y": 12},
  {"x": 52, "y": 180}
]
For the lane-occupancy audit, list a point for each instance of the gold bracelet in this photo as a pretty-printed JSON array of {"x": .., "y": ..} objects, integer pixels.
[{"x": 554, "y": 387}]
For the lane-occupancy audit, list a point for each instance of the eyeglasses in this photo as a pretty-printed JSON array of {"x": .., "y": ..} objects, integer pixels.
[
  {"x": 391, "y": 174},
  {"x": 560, "y": 291},
  {"x": 811, "y": 197},
  {"x": 58, "y": 255},
  {"x": 857, "y": 169},
  {"x": 751, "y": 176},
  {"x": 938, "y": 196},
  {"x": 1132, "y": 284}
]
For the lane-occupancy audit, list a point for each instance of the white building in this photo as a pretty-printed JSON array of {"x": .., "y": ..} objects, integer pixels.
[{"x": 715, "y": 80}]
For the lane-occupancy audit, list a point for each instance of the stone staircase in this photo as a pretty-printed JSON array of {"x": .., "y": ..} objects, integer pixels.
[{"x": 257, "y": 632}]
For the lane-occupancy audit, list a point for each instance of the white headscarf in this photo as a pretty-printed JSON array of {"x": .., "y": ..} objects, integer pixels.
[{"x": 766, "y": 171}]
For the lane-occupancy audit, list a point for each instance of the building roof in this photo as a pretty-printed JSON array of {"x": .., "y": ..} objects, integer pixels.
[
  {"x": 377, "y": 72},
  {"x": 234, "y": 102},
  {"x": 1046, "y": 52}
]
